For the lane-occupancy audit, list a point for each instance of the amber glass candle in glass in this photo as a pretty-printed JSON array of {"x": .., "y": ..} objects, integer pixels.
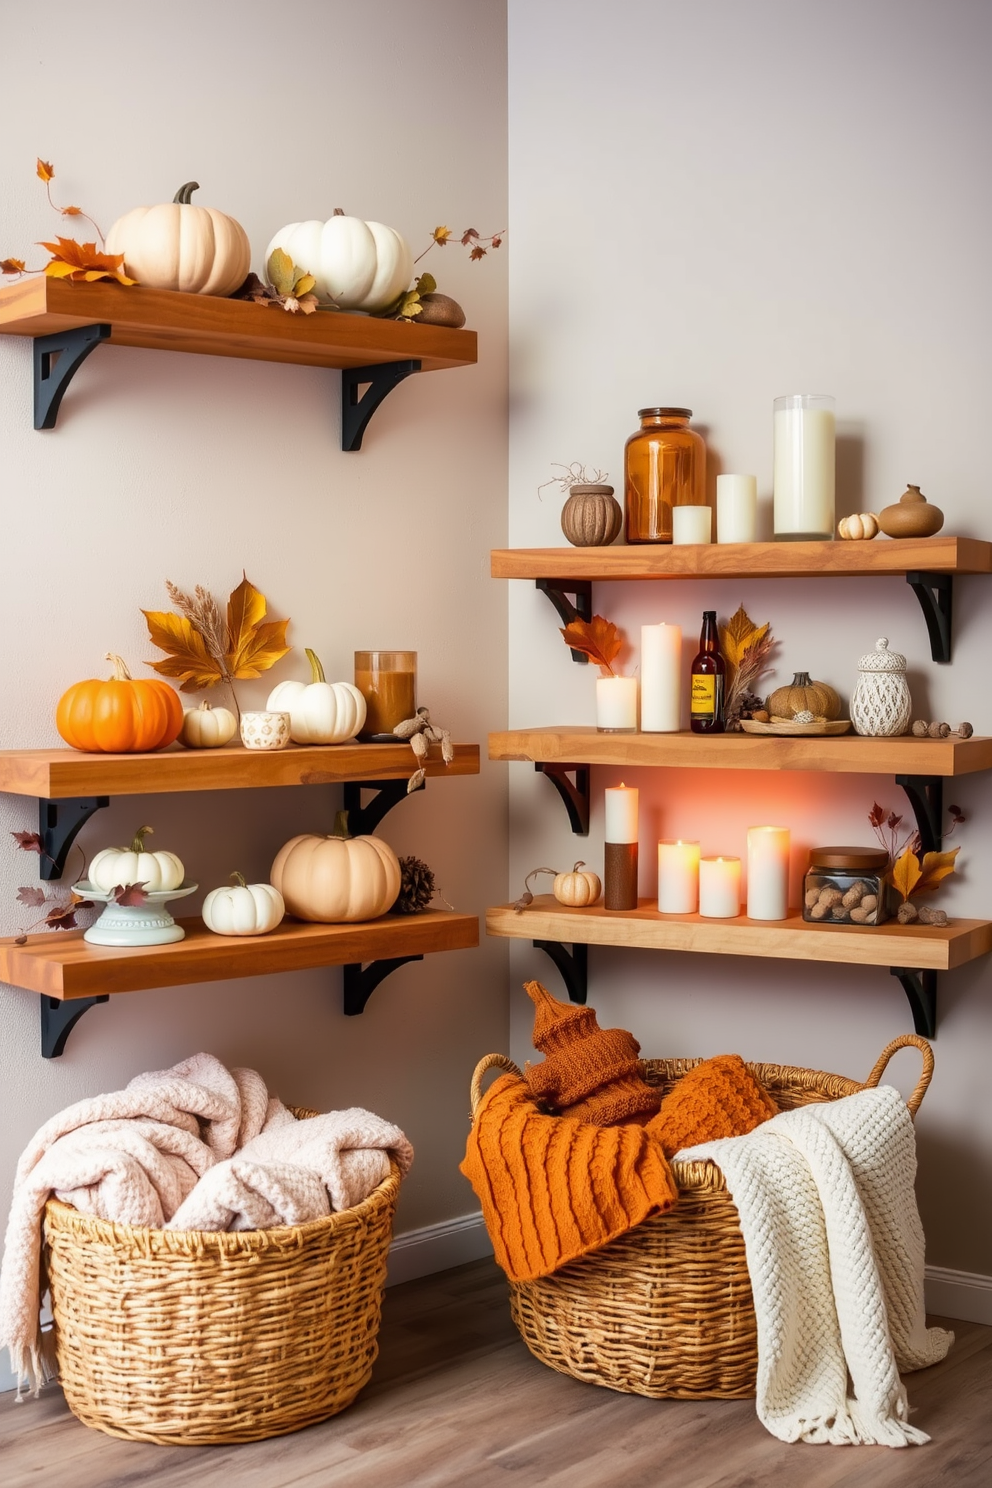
[
  {"x": 387, "y": 681},
  {"x": 664, "y": 466}
]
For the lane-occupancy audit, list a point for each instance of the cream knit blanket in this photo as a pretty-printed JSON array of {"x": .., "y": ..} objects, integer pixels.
[
  {"x": 197, "y": 1147},
  {"x": 835, "y": 1254}
]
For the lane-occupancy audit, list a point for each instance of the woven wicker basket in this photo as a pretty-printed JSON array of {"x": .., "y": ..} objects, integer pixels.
[
  {"x": 192, "y": 1337},
  {"x": 666, "y": 1310}
]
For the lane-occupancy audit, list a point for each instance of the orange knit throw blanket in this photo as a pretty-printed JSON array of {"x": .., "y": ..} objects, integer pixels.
[{"x": 553, "y": 1188}]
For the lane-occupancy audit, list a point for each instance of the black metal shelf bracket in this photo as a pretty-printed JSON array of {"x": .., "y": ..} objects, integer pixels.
[
  {"x": 58, "y": 824},
  {"x": 558, "y": 591},
  {"x": 361, "y": 981},
  {"x": 935, "y": 591},
  {"x": 921, "y": 989},
  {"x": 59, "y": 1018},
  {"x": 57, "y": 359},
  {"x": 357, "y": 408},
  {"x": 926, "y": 796},
  {"x": 575, "y": 794},
  {"x": 573, "y": 965},
  {"x": 363, "y": 820}
]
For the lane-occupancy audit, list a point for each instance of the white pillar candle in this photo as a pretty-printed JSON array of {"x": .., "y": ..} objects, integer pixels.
[
  {"x": 736, "y": 508},
  {"x": 621, "y": 813},
  {"x": 768, "y": 873},
  {"x": 719, "y": 888},
  {"x": 805, "y": 440},
  {"x": 661, "y": 678},
  {"x": 616, "y": 705},
  {"x": 678, "y": 877},
  {"x": 691, "y": 524}
]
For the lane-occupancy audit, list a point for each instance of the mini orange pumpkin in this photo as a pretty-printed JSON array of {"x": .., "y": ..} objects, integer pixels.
[{"x": 122, "y": 715}]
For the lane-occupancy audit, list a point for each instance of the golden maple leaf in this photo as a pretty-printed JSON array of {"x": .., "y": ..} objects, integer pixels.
[
  {"x": 936, "y": 866},
  {"x": 598, "y": 638},
  {"x": 83, "y": 261},
  {"x": 906, "y": 873},
  {"x": 253, "y": 646},
  {"x": 441, "y": 235},
  {"x": 45, "y": 170},
  {"x": 738, "y": 635},
  {"x": 187, "y": 655}
]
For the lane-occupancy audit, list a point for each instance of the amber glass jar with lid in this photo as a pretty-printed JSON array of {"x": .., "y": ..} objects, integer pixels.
[
  {"x": 664, "y": 466},
  {"x": 845, "y": 886}
]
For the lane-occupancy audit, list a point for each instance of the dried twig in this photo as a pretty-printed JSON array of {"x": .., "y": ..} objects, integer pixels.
[{"x": 421, "y": 734}]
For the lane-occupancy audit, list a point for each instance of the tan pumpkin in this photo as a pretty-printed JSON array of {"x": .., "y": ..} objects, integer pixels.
[
  {"x": 577, "y": 889},
  {"x": 179, "y": 245},
  {"x": 804, "y": 696},
  {"x": 860, "y": 528},
  {"x": 337, "y": 879},
  {"x": 591, "y": 517}
]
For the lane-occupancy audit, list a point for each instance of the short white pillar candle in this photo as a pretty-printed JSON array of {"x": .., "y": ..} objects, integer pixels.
[
  {"x": 678, "y": 877},
  {"x": 736, "y": 508},
  {"x": 691, "y": 524},
  {"x": 661, "y": 678},
  {"x": 768, "y": 873},
  {"x": 616, "y": 705},
  {"x": 719, "y": 888},
  {"x": 621, "y": 813}
]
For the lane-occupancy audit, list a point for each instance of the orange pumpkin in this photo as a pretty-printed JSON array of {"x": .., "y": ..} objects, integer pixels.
[{"x": 122, "y": 715}]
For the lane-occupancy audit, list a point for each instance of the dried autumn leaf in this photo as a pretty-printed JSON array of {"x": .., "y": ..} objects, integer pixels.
[
  {"x": 426, "y": 284},
  {"x": 304, "y": 285},
  {"x": 254, "y": 646},
  {"x": 187, "y": 656},
  {"x": 61, "y": 917},
  {"x": 12, "y": 266},
  {"x": 598, "y": 638},
  {"x": 441, "y": 235},
  {"x": 32, "y": 896},
  {"x": 495, "y": 241},
  {"x": 876, "y": 815},
  {"x": 470, "y": 235},
  {"x": 46, "y": 172},
  {"x": 131, "y": 896},
  {"x": 83, "y": 261},
  {"x": 28, "y": 841},
  {"x": 936, "y": 866},
  {"x": 739, "y": 635},
  {"x": 20, "y": 940},
  {"x": 72, "y": 211},
  {"x": 281, "y": 271},
  {"x": 477, "y": 253},
  {"x": 906, "y": 873}
]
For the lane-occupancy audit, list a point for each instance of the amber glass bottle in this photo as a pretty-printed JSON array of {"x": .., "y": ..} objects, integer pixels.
[
  {"x": 664, "y": 466},
  {"x": 708, "y": 676}
]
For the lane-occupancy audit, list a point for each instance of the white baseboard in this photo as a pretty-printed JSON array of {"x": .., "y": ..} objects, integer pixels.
[
  {"x": 437, "y": 1247},
  {"x": 959, "y": 1294}
]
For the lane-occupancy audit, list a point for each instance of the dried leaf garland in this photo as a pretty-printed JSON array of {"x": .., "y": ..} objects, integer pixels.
[
  {"x": 598, "y": 638},
  {"x": 203, "y": 649}
]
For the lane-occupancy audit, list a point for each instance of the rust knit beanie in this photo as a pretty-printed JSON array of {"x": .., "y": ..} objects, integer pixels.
[
  {"x": 718, "y": 1098},
  {"x": 590, "y": 1073}
]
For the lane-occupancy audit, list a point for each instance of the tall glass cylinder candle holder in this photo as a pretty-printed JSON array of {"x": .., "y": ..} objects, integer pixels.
[
  {"x": 387, "y": 681},
  {"x": 620, "y": 848},
  {"x": 768, "y": 873},
  {"x": 736, "y": 508},
  {"x": 616, "y": 705},
  {"x": 661, "y": 678},
  {"x": 804, "y": 473},
  {"x": 678, "y": 877},
  {"x": 719, "y": 888}
]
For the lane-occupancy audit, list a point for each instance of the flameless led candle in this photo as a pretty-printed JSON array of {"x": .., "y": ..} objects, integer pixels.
[
  {"x": 616, "y": 705},
  {"x": 767, "y": 873},
  {"x": 719, "y": 888},
  {"x": 691, "y": 524},
  {"x": 620, "y": 848},
  {"x": 678, "y": 877},
  {"x": 736, "y": 508},
  {"x": 661, "y": 679},
  {"x": 805, "y": 440}
]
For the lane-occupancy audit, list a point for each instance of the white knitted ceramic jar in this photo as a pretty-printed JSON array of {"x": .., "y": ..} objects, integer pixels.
[{"x": 881, "y": 704}]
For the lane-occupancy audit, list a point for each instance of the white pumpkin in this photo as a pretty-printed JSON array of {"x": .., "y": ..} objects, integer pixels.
[
  {"x": 115, "y": 866},
  {"x": 320, "y": 712},
  {"x": 177, "y": 245},
  {"x": 208, "y": 728},
  {"x": 338, "y": 879},
  {"x": 862, "y": 527},
  {"x": 359, "y": 265},
  {"x": 243, "y": 909},
  {"x": 577, "y": 889}
]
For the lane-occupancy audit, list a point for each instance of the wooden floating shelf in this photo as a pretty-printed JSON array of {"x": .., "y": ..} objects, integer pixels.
[
  {"x": 65, "y": 966},
  {"x": 846, "y": 753},
  {"x": 930, "y": 947},
  {"x": 163, "y": 320},
  {"x": 760, "y": 560},
  {"x": 63, "y": 774}
]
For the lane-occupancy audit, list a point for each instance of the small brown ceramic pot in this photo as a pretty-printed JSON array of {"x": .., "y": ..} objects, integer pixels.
[
  {"x": 911, "y": 516},
  {"x": 591, "y": 517}
]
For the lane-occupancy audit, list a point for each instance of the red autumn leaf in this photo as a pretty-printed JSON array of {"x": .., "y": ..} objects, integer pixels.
[
  {"x": 876, "y": 815},
  {"x": 131, "y": 896},
  {"x": 61, "y": 917},
  {"x": 476, "y": 253},
  {"x": 12, "y": 266},
  {"x": 598, "y": 638},
  {"x": 78, "y": 902},
  {"x": 893, "y": 821},
  {"x": 29, "y": 841},
  {"x": 45, "y": 170},
  {"x": 20, "y": 940},
  {"x": 470, "y": 235},
  {"x": 34, "y": 897},
  {"x": 83, "y": 261},
  {"x": 495, "y": 241}
]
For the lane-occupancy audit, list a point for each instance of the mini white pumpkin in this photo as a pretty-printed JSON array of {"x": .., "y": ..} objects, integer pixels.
[
  {"x": 577, "y": 889},
  {"x": 177, "y": 245},
  {"x": 359, "y": 265},
  {"x": 208, "y": 728},
  {"x": 115, "y": 866},
  {"x": 859, "y": 528},
  {"x": 320, "y": 712},
  {"x": 337, "y": 879},
  {"x": 242, "y": 908}
]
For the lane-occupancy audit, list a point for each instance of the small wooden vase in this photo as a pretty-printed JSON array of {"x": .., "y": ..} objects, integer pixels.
[
  {"x": 591, "y": 517},
  {"x": 911, "y": 516}
]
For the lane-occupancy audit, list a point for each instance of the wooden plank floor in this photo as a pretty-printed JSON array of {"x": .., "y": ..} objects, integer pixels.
[{"x": 457, "y": 1402}]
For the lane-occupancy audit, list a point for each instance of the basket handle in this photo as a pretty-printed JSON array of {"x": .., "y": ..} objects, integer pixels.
[
  {"x": 904, "y": 1041},
  {"x": 491, "y": 1061}
]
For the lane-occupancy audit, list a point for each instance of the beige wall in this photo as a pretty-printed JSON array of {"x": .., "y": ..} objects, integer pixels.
[
  {"x": 194, "y": 467},
  {"x": 711, "y": 205}
]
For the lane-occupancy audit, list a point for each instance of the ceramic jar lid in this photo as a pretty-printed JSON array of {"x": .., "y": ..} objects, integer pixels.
[
  {"x": 882, "y": 659},
  {"x": 857, "y": 859}
]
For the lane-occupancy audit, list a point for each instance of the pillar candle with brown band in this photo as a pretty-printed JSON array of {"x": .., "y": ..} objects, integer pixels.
[{"x": 620, "y": 855}]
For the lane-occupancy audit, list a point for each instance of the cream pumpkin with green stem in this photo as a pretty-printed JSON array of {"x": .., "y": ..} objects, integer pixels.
[
  {"x": 337, "y": 879},
  {"x": 320, "y": 712},
  {"x": 116, "y": 866}
]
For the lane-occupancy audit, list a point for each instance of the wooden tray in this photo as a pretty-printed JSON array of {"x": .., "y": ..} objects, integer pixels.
[{"x": 838, "y": 726}]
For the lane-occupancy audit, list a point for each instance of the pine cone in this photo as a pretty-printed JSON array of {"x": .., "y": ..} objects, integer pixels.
[
  {"x": 416, "y": 887},
  {"x": 751, "y": 703}
]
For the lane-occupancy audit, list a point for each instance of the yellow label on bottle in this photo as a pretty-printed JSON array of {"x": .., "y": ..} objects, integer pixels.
[{"x": 703, "y": 696}]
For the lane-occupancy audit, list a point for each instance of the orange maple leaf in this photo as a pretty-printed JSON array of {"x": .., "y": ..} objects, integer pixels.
[
  {"x": 598, "y": 638},
  {"x": 83, "y": 261},
  {"x": 72, "y": 211},
  {"x": 45, "y": 170}
]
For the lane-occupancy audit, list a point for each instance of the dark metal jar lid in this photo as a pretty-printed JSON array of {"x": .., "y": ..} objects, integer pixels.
[
  {"x": 664, "y": 413},
  {"x": 860, "y": 859}
]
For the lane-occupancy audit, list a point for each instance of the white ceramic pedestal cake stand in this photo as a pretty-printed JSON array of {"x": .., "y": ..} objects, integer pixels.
[{"x": 134, "y": 925}]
